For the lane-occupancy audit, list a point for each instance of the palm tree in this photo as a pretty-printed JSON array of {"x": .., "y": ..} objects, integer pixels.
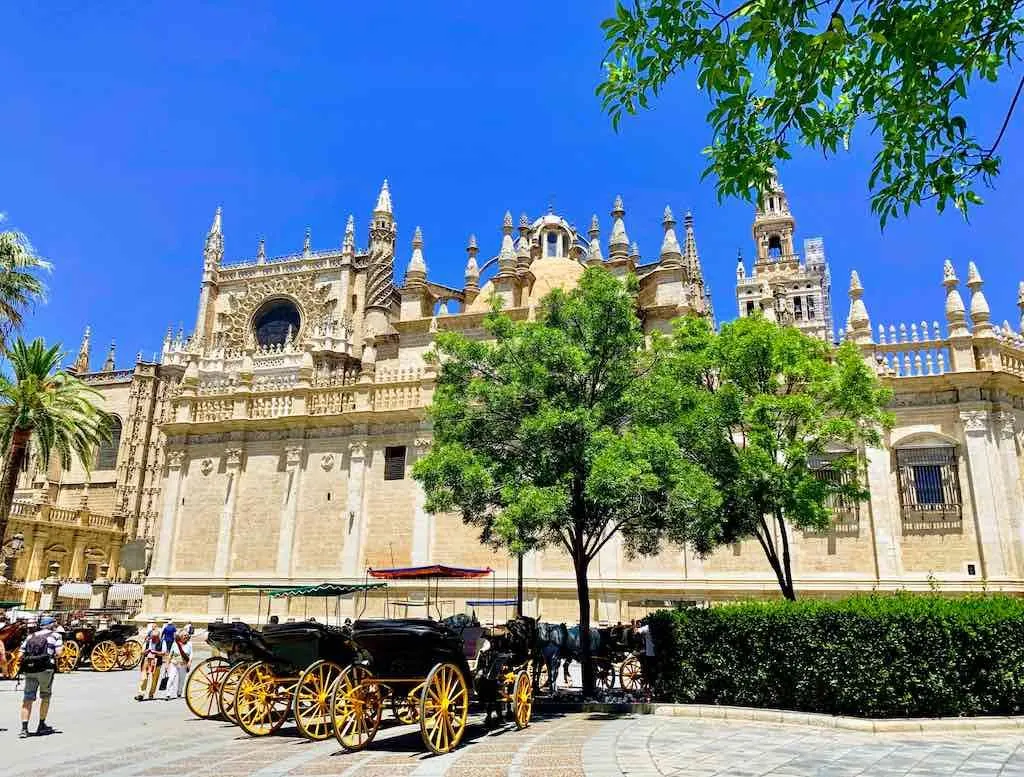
[
  {"x": 20, "y": 286},
  {"x": 43, "y": 405}
]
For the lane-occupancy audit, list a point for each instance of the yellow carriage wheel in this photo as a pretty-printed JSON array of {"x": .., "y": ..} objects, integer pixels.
[
  {"x": 68, "y": 658},
  {"x": 263, "y": 700},
  {"x": 356, "y": 706},
  {"x": 229, "y": 689},
  {"x": 522, "y": 699},
  {"x": 631, "y": 674},
  {"x": 129, "y": 654},
  {"x": 604, "y": 673},
  {"x": 444, "y": 707},
  {"x": 313, "y": 699},
  {"x": 406, "y": 709},
  {"x": 203, "y": 686},
  {"x": 103, "y": 656}
]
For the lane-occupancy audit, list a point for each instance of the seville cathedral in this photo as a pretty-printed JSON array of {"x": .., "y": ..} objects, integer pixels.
[{"x": 274, "y": 444}]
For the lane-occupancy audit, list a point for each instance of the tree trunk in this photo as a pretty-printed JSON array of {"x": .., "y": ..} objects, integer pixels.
[
  {"x": 787, "y": 564},
  {"x": 12, "y": 468},
  {"x": 583, "y": 597}
]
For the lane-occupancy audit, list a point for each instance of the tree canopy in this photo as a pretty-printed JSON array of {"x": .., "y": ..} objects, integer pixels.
[
  {"x": 763, "y": 411},
  {"x": 537, "y": 440},
  {"x": 813, "y": 71},
  {"x": 20, "y": 285},
  {"x": 47, "y": 406}
]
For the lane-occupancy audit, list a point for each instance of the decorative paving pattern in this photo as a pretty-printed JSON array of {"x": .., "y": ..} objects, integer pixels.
[{"x": 105, "y": 733}]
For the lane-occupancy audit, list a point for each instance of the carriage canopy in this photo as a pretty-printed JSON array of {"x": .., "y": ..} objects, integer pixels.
[
  {"x": 327, "y": 589},
  {"x": 431, "y": 571}
]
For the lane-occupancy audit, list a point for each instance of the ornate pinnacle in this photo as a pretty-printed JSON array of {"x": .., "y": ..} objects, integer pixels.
[
  {"x": 671, "y": 256},
  {"x": 634, "y": 251},
  {"x": 471, "y": 245},
  {"x": 949, "y": 278},
  {"x": 506, "y": 225},
  {"x": 595, "y": 227},
  {"x": 980, "y": 313},
  {"x": 261, "y": 252},
  {"x": 691, "y": 260},
  {"x": 524, "y": 223},
  {"x": 307, "y": 243},
  {"x": 82, "y": 361},
  {"x": 213, "y": 251},
  {"x": 955, "y": 312},
  {"x": 108, "y": 365},
  {"x": 618, "y": 243},
  {"x": 417, "y": 267},
  {"x": 349, "y": 241},
  {"x": 594, "y": 250},
  {"x": 472, "y": 271},
  {"x": 383, "y": 199},
  {"x": 741, "y": 270}
]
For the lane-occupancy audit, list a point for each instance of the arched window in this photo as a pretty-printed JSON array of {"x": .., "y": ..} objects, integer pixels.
[
  {"x": 106, "y": 454},
  {"x": 774, "y": 246},
  {"x": 274, "y": 321}
]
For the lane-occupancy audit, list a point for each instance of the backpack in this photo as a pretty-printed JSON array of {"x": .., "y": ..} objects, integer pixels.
[{"x": 36, "y": 655}]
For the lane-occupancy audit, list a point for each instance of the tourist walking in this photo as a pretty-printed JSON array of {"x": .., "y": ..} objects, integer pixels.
[
  {"x": 152, "y": 658},
  {"x": 39, "y": 662},
  {"x": 177, "y": 661}
]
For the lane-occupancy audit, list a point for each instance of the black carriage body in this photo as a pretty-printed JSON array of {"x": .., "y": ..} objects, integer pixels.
[
  {"x": 238, "y": 641},
  {"x": 408, "y": 648},
  {"x": 299, "y": 645},
  {"x": 118, "y": 633}
]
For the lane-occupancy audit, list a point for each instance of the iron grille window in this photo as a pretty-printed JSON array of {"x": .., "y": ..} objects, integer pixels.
[
  {"x": 845, "y": 511},
  {"x": 929, "y": 481},
  {"x": 394, "y": 462}
]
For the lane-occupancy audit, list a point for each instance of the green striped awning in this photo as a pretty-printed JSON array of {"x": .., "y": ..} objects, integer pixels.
[{"x": 328, "y": 589}]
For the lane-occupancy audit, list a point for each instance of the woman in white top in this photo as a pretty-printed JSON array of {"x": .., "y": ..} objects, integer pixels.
[{"x": 178, "y": 657}]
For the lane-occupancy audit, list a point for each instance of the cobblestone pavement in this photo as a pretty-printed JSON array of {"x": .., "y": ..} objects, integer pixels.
[{"x": 105, "y": 733}]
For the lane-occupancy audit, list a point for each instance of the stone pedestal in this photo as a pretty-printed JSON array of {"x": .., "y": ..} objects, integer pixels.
[
  {"x": 100, "y": 590},
  {"x": 48, "y": 598}
]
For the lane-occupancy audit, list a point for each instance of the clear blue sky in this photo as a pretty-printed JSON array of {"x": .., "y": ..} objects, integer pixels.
[{"x": 125, "y": 124}]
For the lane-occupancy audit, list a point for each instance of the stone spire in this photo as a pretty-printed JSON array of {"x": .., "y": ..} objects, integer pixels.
[
  {"x": 261, "y": 252},
  {"x": 507, "y": 255},
  {"x": 108, "y": 365},
  {"x": 980, "y": 313},
  {"x": 307, "y": 243},
  {"x": 523, "y": 251},
  {"x": 671, "y": 256},
  {"x": 691, "y": 259},
  {"x": 594, "y": 257},
  {"x": 618, "y": 243},
  {"x": 81, "y": 364},
  {"x": 472, "y": 270},
  {"x": 858, "y": 326},
  {"x": 1020, "y": 305},
  {"x": 634, "y": 252},
  {"x": 348, "y": 243},
  {"x": 741, "y": 270},
  {"x": 213, "y": 251},
  {"x": 383, "y": 199},
  {"x": 955, "y": 312},
  {"x": 380, "y": 273},
  {"x": 417, "y": 272}
]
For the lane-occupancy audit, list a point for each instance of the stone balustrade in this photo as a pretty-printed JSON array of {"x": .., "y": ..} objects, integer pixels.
[
  {"x": 911, "y": 351},
  {"x": 32, "y": 512}
]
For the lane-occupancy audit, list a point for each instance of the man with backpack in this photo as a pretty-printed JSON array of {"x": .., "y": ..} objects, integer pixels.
[{"x": 39, "y": 662}]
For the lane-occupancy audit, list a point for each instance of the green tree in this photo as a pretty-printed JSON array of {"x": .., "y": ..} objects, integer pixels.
[
  {"x": 780, "y": 71},
  {"x": 536, "y": 440},
  {"x": 756, "y": 407},
  {"x": 20, "y": 286},
  {"x": 46, "y": 406}
]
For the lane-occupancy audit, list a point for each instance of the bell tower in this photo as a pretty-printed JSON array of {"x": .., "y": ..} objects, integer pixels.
[{"x": 774, "y": 226}]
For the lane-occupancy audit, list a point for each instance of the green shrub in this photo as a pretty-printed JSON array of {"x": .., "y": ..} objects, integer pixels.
[{"x": 877, "y": 656}]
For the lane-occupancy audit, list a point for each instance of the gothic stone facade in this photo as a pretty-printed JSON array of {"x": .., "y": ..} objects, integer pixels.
[{"x": 296, "y": 411}]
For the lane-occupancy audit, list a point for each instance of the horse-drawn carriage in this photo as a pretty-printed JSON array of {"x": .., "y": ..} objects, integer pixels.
[
  {"x": 103, "y": 647},
  {"x": 614, "y": 654},
  {"x": 287, "y": 669},
  {"x": 421, "y": 667}
]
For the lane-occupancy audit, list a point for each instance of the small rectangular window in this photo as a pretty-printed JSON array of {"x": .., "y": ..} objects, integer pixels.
[
  {"x": 394, "y": 462},
  {"x": 750, "y": 307},
  {"x": 929, "y": 484},
  {"x": 798, "y": 308},
  {"x": 810, "y": 308}
]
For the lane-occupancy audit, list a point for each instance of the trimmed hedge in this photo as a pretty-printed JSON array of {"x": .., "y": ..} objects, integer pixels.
[{"x": 877, "y": 656}]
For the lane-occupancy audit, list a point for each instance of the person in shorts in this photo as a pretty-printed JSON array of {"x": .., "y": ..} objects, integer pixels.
[{"x": 39, "y": 663}]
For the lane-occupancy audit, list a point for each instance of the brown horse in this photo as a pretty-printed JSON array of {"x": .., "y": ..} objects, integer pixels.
[{"x": 12, "y": 635}]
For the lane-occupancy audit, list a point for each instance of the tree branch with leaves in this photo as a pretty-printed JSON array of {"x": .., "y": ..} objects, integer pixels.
[{"x": 780, "y": 72}]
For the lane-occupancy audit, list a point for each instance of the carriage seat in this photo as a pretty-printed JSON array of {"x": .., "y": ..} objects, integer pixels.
[{"x": 400, "y": 626}]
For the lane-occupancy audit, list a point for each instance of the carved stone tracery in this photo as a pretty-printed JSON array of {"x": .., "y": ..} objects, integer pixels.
[{"x": 312, "y": 299}]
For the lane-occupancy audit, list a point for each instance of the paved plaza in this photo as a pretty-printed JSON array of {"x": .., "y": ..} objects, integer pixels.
[{"x": 103, "y": 732}]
